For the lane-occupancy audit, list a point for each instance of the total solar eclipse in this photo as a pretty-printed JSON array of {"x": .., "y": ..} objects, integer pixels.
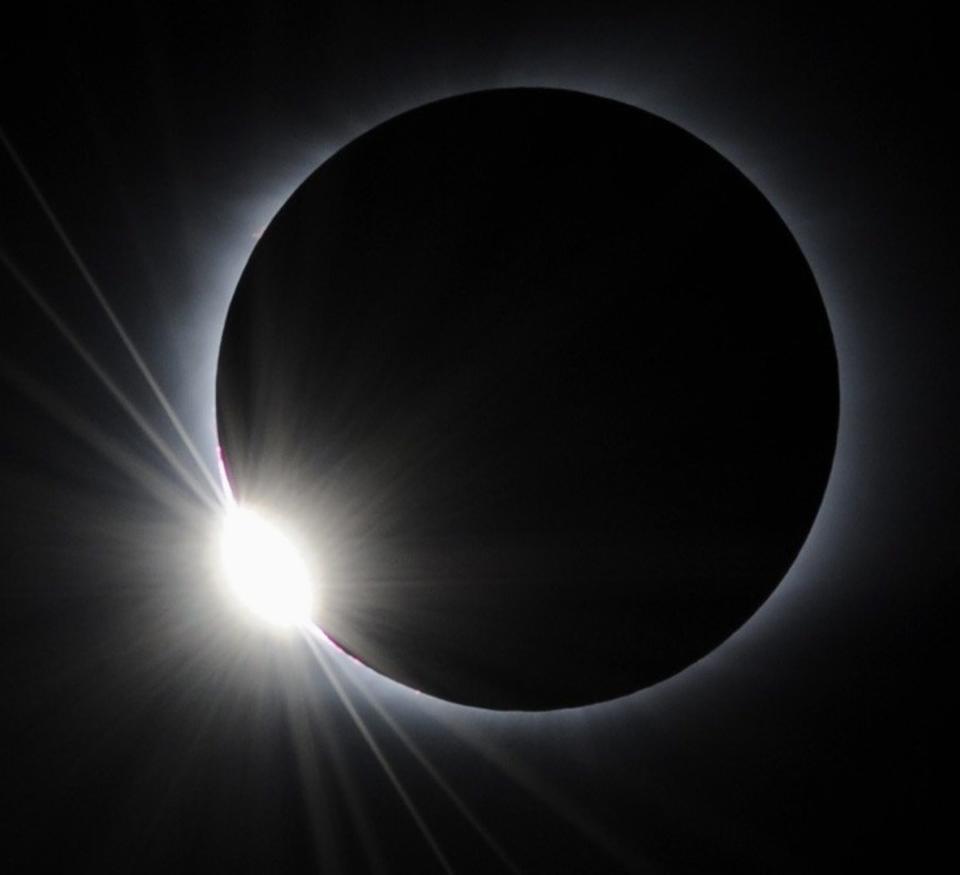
[{"x": 547, "y": 386}]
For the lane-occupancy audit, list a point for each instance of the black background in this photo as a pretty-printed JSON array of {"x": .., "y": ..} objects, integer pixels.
[{"x": 149, "y": 731}]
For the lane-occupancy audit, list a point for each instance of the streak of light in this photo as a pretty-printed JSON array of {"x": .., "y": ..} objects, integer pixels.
[
  {"x": 303, "y": 716},
  {"x": 157, "y": 483},
  {"x": 305, "y": 750},
  {"x": 108, "y": 310},
  {"x": 441, "y": 782},
  {"x": 109, "y": 384},
  {"x": 378, "y": 753}
]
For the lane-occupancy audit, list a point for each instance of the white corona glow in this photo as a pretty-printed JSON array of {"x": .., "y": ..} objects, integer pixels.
[{"x": 263, "y": 568}]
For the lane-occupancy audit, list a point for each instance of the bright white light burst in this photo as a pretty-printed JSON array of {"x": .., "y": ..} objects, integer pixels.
[{"x": 264, "y": 570}]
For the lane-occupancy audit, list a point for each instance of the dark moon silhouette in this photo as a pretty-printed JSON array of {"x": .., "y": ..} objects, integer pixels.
[{"x": 546, "y": 384}]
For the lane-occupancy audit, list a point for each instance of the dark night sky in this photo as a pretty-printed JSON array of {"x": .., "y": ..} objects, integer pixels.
[{"x": 150, "y": 731}]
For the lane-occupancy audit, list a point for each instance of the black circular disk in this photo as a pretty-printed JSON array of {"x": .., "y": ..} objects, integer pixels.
[{"x": 546, "y": 384}]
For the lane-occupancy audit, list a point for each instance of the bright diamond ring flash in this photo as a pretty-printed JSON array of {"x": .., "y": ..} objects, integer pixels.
[{"x": 263, "y": 568}]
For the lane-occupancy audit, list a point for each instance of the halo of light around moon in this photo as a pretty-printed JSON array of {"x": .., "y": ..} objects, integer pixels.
[{"x": 548, "y": 383}]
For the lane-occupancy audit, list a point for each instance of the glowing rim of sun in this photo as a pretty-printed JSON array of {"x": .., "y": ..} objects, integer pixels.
[{"x": 263, "y": 568}]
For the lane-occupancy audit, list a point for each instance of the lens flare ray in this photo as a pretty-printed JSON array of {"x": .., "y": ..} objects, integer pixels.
[
  {"x": 109, "y": 311},
  {"x": 362, "y": 728},
  {"x": 106, "y": 380}
]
